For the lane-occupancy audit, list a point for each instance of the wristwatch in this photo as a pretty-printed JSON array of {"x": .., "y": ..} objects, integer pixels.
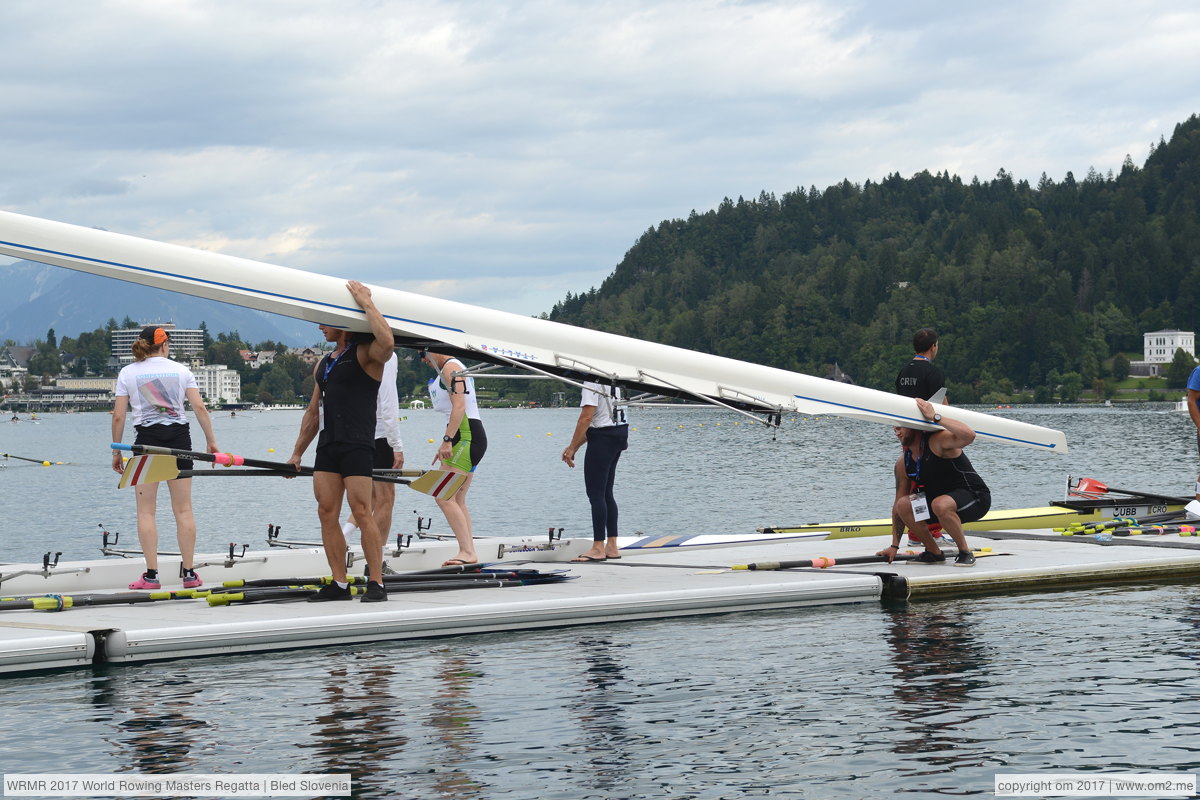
[
  {"x": 937, "y": 417},
  {"x": 447, "y": 438}
]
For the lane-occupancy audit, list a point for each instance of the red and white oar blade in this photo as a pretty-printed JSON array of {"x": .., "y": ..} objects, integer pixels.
[
  {"x": 1089, "y": 488},
  {"x": 440, "y": 484},
  {"x": 148, "y": 469}
]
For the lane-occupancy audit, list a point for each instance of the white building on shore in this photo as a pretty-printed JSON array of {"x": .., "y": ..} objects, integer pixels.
[
  {"x": 184, "y": 342},
  {"x": 218, "y": 383},
  {"x": 1158, "y": 350}
]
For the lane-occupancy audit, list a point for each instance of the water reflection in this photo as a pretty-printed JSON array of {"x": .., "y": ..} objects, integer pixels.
[
  {"x": 600, "y": 713},
  {"x": 156, "y": 722},
  {"x": 452, "y": 717},
  {"x": 358, "y": 730},
  {"x": 940, "y": 665}
]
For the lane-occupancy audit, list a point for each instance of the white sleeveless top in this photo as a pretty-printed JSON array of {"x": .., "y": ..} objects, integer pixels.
[
  {"x": 440, "y": 395},
  {"x": 607, "y": 414}
]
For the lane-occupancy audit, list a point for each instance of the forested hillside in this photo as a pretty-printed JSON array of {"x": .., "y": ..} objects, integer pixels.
[{"x": 1024, "y": 283}]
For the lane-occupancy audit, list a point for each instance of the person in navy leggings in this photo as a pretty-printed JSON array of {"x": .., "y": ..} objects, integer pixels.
[{"x": 603, "y": 428}]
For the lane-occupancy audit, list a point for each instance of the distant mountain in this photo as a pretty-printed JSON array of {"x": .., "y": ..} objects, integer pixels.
[
  {"x": 24, "y": 282},
  {"x": 37, "y": 297}
]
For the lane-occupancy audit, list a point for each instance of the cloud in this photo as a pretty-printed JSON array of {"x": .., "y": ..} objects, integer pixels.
[{"x": 512, "y": 152}]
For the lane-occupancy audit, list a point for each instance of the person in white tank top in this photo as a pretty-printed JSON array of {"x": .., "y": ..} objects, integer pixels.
[{"x": 463, "y": 444}]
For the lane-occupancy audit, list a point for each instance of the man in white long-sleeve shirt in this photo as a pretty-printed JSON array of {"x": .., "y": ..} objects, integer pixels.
[{"x": 389, "y": 453}]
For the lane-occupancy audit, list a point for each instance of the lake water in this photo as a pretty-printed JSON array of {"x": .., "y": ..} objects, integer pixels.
[{"x": 924, "y": 699}]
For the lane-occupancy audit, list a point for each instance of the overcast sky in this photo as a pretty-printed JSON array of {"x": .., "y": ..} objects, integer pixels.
[{"x": 505, "y": 153}]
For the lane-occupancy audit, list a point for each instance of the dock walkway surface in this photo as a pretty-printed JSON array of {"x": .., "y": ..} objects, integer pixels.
[{"x": 643, "y": 584}]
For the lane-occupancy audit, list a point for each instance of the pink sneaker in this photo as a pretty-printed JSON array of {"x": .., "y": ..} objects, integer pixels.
[
  {"x": 145, "y": 583},
  {"x": 192, "y": 581}
]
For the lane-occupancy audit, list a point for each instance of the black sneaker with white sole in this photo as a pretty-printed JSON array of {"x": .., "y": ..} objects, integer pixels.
[
  {"x": 375, "y": 593},
  {"x": 965, "y": 558},
  {"x": 330, "y": 591},
  {"x": 929, "y": 557}
]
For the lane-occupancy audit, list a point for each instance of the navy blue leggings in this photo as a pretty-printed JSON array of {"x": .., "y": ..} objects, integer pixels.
[{"x": 604, "y": 448}]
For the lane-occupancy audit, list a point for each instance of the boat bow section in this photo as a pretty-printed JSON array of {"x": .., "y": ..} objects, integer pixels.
[{"x": 482, "y": 333}]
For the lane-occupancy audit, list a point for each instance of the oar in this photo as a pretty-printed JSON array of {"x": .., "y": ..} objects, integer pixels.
[
  {"x": 821, "y": 562},
  {"x": 61, "y": 602},
  {"x": 31, "y": 460},
  {"x": 440, "y": 484},
  {"x": 1190, "y": 513},
  {"x": 415, "y": 577},
  {"x": 379, "y": 474},
  {"x": 1122, "y": 522},
  {"x": 1155, "y": 530},
  {"x": 290, "y": 593},
  {"x": 1093, "y": 489}
]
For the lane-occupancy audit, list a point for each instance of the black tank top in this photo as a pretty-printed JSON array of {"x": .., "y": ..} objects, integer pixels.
[
  {"x": 938, "y": 476},
  {"x": 348, "y": 398}
]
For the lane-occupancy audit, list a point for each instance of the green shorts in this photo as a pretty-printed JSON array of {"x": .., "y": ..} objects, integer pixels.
[{"x": 467, "y": 446}]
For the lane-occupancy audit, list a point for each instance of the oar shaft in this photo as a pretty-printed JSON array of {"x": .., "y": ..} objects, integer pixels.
[
  {"x": 279, "y": 473},
  {"x": 277, "y": 468},
  {"x": 23, "y": 458},
  {"x": 228, "y": 459},
  {"x": 820, "y": 563}
]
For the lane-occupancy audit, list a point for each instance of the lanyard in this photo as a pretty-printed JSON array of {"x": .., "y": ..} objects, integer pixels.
[
  {"x": 331, "y": 362},
  {"x": 914, "y": 471}
]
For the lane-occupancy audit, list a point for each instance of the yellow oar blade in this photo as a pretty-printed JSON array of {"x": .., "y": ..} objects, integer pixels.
[
  {"x": 440, "y": 484},
  {"x": 148, "y": 469}
]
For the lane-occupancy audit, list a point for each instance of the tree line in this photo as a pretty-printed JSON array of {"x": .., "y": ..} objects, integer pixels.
[{"x": 1033, "y": 288}]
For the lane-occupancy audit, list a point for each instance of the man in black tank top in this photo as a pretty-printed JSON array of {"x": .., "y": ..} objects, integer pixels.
[
  {"x": 949, "y": 491},
  {"x": 346, "y": 386}
]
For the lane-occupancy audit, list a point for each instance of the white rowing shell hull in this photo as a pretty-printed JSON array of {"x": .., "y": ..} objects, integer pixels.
[
  {"x": 714, "y": 540},
  {"x": 325, "y": 299}
]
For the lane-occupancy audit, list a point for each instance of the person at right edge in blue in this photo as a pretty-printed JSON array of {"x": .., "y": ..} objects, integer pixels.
[
  {"x": 948, "y": 489},
  {"x": 1193, "y": 406},
  {"x": 603, "y": 428}
]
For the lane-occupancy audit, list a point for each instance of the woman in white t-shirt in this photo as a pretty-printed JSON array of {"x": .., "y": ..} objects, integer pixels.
[
  {"x": 156, "y": 388},
  {"x": 603, "y": 428}
]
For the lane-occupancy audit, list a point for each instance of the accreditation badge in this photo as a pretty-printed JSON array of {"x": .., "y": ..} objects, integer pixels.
[{"x": 920, "y": 506}]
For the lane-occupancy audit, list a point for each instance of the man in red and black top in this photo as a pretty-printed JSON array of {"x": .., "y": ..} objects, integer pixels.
[{"x": 950, "y": 491}]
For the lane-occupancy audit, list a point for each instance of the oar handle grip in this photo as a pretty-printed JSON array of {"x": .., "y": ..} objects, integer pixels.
[{"x": 225, "y": 459}]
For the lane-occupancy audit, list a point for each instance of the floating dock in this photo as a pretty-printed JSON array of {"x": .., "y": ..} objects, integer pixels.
[{"x": 646, "y": 583}]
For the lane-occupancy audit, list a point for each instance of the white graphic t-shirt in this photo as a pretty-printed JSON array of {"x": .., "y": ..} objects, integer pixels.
[{"x": 156, "y": 389}]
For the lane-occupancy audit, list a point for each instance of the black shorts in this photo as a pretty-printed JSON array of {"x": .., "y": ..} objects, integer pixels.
[
  {"x": 176, "y": 437},
  {"x": 346, "y": 460},
  {"x": 384, "y": 455},
  {"x": 971, "y": 507}
]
